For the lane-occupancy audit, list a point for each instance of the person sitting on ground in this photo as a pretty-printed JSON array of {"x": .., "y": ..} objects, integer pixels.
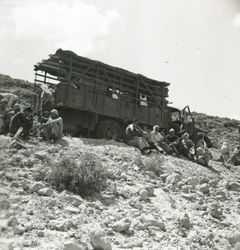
[
  {"x": 173, "y": 141},
  {"x": 22, "y": 120},
  {"x": 235, "y": 158},
  {"x": 134, "y": 136},
  {"x": 53, "y": 128},
  {"x": 158, "y": 141},
  {"x": 45, "y": 117},
  {"x": 203, "y": 154},
  {"x": 186, "y": 147},
  {"x": 225, "y": 152}
]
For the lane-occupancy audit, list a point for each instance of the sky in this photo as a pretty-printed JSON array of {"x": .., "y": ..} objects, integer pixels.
[{"x": 192, "y": 44}]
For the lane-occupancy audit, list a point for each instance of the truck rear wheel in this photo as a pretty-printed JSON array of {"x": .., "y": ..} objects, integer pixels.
[{"x": 109, "y": 130}]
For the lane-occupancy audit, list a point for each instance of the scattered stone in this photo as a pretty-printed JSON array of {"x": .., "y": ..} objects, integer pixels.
[
  {"x": 73, "y": 245},
  {"x": 150, "y": 190},
  {"x": 164, "y": 177},
  {"x": 4, "y": 204},
  {"x": 184, "y": 221},
  {"x": 19, "y": 230},
  {"x": 221, "y": 195},
  {"x": 204, "y": 180},
  {"x": 13, "y": 221},
  {"x": 186, "y": 189},
  {"x": 72, "y": 210},
  {"x": 173, "y": 179},
  {"x": 122, "y": 225},
  {"x": 233, "y": 238},
  {"x": 215, "y": 211},
  {"x": 143, "y": 195},
  {"x": 73, "y": 199},
  {"x": 204, "y": 188},
  {"x": 45, "y": 191},
  {"x": 36, "y": 187},
  {"x": 98, "y": 240},
  {"x": 41, "y": 155},
  {"x": 190, "y": 197},
  {"x": 237, "y": 246},
  {"x": 233, "y": 186},
  {"x": 40, "y": 234}
]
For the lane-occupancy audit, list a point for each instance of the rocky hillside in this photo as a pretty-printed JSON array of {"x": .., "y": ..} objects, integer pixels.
[{"x": 149, "y": 202}]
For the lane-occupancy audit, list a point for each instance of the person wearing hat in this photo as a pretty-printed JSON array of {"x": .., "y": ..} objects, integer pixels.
[
  {"x": 235, "y": 158},
  {"x": 186, "y": 147},
  {"x": 22, "y": 119},
  {"x": 173, "y": 141},
  {"x": 134, "y": 136},
  {"x": 158, "y": 141},
  {"x": 53, "y": 128}
]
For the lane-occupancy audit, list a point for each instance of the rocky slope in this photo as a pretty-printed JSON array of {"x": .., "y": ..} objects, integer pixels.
[
  {"x": 150, "y": 202},
  {"x": 186, "y": 206}
]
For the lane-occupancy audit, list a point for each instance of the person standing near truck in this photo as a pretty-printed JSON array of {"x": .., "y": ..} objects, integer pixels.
[{"x": 134, "y": 136}]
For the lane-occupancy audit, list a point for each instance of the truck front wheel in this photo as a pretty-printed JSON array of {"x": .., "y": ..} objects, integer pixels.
[
  {"x": 200, "y": 139},
  {"x": 109, "y": 130}
]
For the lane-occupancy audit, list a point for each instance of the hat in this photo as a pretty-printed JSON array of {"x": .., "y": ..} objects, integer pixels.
[
  {"x": 54, "y": 111},
  {"x": 155, "y": 127},
  {"x": 171, "y": 130},
  {"x": 185, "y": 135}
]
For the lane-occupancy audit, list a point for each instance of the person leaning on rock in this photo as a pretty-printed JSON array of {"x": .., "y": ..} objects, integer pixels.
[
  {"x": 53, "y": 128},
  {"x": 158, "y": 140},
  {"x": 134, "y": 136}
]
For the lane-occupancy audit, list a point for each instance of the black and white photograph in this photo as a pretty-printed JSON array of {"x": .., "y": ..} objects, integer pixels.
[{"x": 119, "y": 125}]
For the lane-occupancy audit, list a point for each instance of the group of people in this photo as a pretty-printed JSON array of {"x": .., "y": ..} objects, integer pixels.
[
  {"x": 170, "y": 144},
  {"x": 20, "y": 121}
]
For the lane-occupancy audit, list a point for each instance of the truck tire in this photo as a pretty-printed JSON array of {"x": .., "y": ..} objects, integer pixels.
[{"x": 109, "y": 130}]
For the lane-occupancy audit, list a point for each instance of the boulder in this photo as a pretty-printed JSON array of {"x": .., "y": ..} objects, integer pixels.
[
  {"x": 73, "y": 245},
  {"x": 98, "y": 240},
  {"x": 164, "y": 177},
  {"x": 41, "y": 155},
  {"x": 45, "y": 191},
  {"x": 220, "y": 195},
  {"x": 233, "y": 186},
  {"x": 204, "y": 188},
  {"x": 150, "y": 190},
  {"x": 237, "y": 246},
  {"x": 215, "y": 211},
  {"x": 13, "y": 221},
  {"x": 143, "y": 195},
  {"x": 173, "y": 179},
  {"x": 36, "y": 187},
  {"x": 73, "y": 199},
  {"x": 122, "y": 225},
  {"x": 233, "y": 238},
  {"x": 184, "y": 221}
]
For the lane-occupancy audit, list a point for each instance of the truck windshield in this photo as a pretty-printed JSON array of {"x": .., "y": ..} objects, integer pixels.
[{"x": 175, "y": 116}]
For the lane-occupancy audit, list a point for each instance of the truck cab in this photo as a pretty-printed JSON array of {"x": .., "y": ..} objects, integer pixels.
[{"x": 183, "y": 121}]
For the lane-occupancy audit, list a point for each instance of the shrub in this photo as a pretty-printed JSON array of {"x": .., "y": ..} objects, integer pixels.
[{"x": 84, "y": 176}]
